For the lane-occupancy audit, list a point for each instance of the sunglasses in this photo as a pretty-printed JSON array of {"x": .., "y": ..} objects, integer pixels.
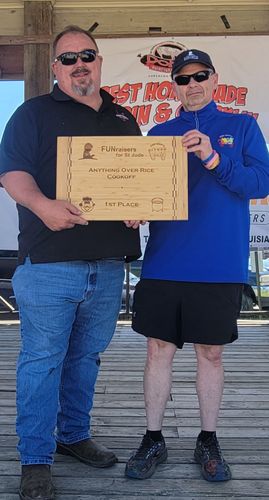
[
  {"x": 200, "y": 76},
  {"x": 70, "y": 58}
]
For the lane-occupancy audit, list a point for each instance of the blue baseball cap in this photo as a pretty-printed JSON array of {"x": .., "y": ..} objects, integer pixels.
[{"x": 191, "y": 56}]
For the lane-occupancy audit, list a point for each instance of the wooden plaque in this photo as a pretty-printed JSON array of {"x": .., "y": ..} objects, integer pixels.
[{"x": 124, "y": 178}]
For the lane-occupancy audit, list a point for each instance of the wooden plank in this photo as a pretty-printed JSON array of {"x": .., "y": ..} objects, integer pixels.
[
  {"x": 251, "y": 446},
  {"x": 106, "y": 416},
  {"x": 125, "y": 487},
  {"x": 24, "y": 39},
  {"x": 37, "y": 57},
  {"x": 175, "y": 21},
  {"x": 71, "y": 468},
  {"x": 175, "y": 456}
]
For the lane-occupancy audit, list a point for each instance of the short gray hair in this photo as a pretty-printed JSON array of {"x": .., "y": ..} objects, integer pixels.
[{"x": 72, "y": 29}]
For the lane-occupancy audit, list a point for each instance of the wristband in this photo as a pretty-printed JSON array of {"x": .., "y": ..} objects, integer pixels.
[
  {"x": 214, "y": 163},
  {"x": 209, "y": 163},
  {"x": 209, "y": 158}
]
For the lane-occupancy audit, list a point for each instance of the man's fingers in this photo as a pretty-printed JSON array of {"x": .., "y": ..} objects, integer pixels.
[
  {"x": 128, "y": 223},
  {"x": 78, "y": 220},
  {"x": 132, "y": 223},
  {"x": 194, "y": 140},
  {"x": 73, "y": 209}
]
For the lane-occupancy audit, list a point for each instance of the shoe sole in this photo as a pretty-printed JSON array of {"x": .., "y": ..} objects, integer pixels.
[
  {"x": 162, "y": 458},
  {"x": 23, "y": 497},
  {"x": 102, "y": 465},
  {"x": 198, "y": 461}
]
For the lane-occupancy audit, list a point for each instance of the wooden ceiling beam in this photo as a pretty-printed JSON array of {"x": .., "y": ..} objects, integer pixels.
[
  {"x": 177, "y": 22},
  {"x": 118, "y": 18},
  {"x": 153, "y": 4},
  {"x": 24, "y": 40}
]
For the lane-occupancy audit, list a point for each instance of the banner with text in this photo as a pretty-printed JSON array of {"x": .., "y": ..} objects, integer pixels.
[
  {"x": 136, "y": 71},
  {"x": 259, "y": 224}
]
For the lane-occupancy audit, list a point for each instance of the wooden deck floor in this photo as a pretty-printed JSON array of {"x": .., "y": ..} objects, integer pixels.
[{"x": 119, "y": 423}]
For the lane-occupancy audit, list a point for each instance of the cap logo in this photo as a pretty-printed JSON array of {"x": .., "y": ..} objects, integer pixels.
[{"x": 190, "y": 55}]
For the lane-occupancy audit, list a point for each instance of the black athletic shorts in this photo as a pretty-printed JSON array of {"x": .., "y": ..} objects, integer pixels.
[{"x": 179, "y": 312}]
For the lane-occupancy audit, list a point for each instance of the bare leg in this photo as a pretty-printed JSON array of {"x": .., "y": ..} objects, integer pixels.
[
  {"x": 209, "y": 383},
  {"x": 157, "y": 385},
  {"x": 157, "y": 380}
]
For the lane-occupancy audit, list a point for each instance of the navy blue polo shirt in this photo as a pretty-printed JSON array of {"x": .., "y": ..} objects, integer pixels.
[{"x": 29, "y": 144}]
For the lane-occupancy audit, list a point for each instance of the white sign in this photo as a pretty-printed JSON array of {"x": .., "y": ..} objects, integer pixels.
[
  {"x": 8, "y": 222},
  {"x": 259, "y": 224},
  {"x": 137, "y": 72}
]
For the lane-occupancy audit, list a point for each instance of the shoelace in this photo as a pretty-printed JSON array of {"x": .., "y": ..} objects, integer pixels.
[
  {"x": 214, "y": 449},
  {"x": 144, "y": 448}
]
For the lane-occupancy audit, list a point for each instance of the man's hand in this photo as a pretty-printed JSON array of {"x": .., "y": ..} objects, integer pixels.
[
  {"x": 134, "y": 223},
  {"x": 196, "y": 142},
  {"x": 55, "y": 214},
  {"x": 58, "y": 215}
]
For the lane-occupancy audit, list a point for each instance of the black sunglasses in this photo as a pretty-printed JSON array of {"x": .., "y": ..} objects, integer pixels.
[
  {"x": 200, "y": 76},
  {"x": 69, "y": 58}
]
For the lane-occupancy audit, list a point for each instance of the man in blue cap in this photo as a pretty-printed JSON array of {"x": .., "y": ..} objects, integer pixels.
[{"x": 193, "y": 271}]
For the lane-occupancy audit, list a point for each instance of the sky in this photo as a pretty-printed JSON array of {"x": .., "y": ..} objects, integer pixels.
[{"x": 11, "y": 96}]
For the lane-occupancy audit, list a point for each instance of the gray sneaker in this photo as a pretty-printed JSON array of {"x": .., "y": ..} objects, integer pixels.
[
  {"x": 143, "y": 462},
  {"x": 208, "y": 455}
]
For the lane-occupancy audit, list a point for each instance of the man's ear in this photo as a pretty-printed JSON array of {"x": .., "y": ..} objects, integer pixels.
[
  {"x": 53, "y": 67},
  {"x": 216, "y": 79}
]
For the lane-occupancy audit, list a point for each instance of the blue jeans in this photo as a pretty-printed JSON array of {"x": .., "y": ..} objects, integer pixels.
[{"x": 68, "y": 313}]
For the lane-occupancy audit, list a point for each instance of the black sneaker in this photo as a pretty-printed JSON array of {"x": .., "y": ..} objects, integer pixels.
[
  {"x": 208, "y": 455},
  {"x": 143, "y": 462}
]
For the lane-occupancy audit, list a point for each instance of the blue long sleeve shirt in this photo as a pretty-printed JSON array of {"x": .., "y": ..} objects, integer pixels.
[{"x": 213, "y": 244}]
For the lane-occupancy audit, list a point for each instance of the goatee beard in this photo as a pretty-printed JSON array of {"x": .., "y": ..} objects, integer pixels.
[{"x": 83, "y": 91}]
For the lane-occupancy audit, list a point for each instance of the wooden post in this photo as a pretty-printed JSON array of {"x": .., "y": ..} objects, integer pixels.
[{"x": 37, "y": 57}]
